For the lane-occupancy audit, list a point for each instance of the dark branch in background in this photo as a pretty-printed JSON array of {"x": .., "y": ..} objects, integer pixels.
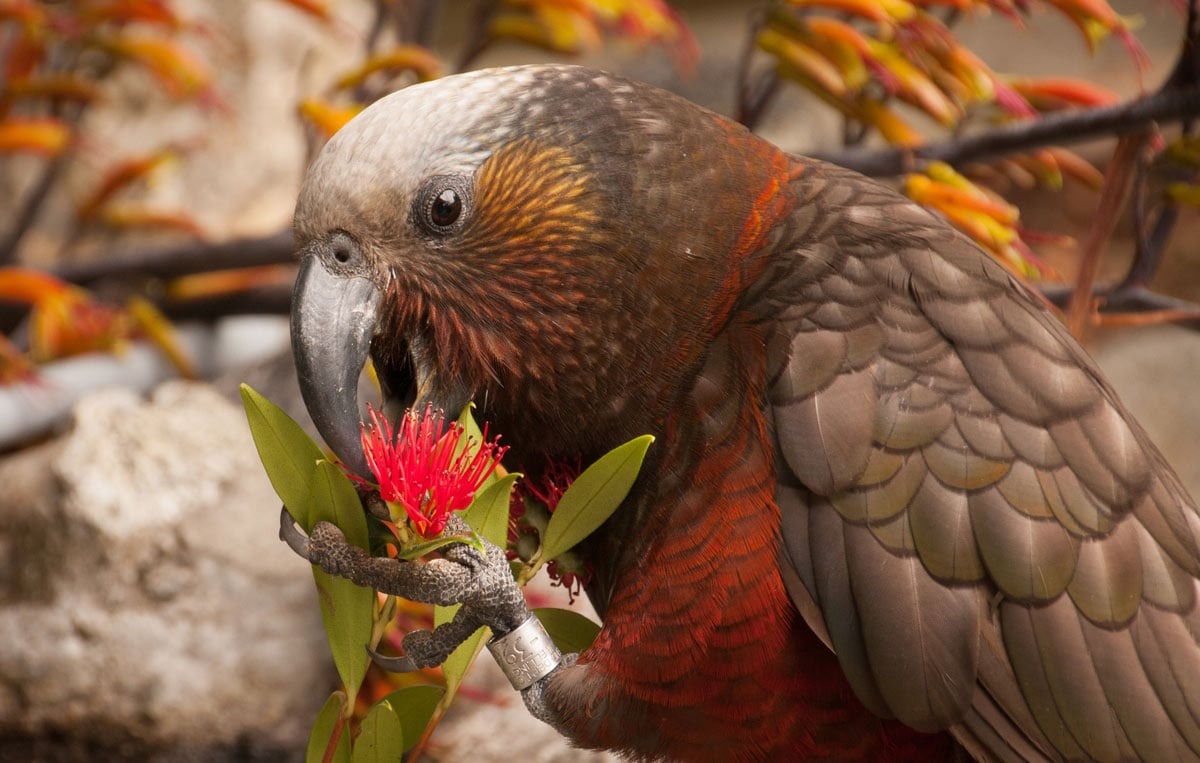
[
  {"x": 1132, "y": 301},
  {"x": 1119, "y": 176},
  {"x": 1187, "y": 69},
  {"x": 187, "y": 259},
  {"x": 1151, "y": 240},
  {"x": 264, "y": 300},
  {"x": 166, "y": 263},
  {"x": 753, "y": 97},
  {"x": 29, "y": 208},
  {"x": 376, "y": 28},
  {"x": 427, "y": 14},
  {"x": 199, "y": 257},
  {"x": 1177, "y": 101},
  {"x": 1166, "y": 105},
  {"x": 478, "y": 38}
]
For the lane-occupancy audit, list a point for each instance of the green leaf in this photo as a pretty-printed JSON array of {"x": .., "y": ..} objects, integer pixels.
[
  {"x": 337, "y": 501},
  {"x": 287, "y": 453},
  {"x": 347, "y": 609},
  {"x": 414, "y": 706},
  {"x": 380, "y": 736},
  {"x": 488, "y": 513},
  {"x": 472, "y": 441},
  {"x": 571, "y": 631},
  {"x": 322, "y": 730},
  {"x": 471, "y": 429},
  {"x": 459, "y": 662},
  {"x": 421, "y": 549},
  {"x": 594, "y": 496}
]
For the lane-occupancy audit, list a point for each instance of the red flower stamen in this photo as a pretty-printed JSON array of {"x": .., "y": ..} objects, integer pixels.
[
  {"x": 427, "y": 471},
  {"x": 554, "y": 482},
  {"x": 548, "y": 488},
  {"x": 572, "y": 580}
]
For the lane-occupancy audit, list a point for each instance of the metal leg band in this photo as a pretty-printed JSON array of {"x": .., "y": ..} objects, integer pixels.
[{"x": 527, "y": 654}]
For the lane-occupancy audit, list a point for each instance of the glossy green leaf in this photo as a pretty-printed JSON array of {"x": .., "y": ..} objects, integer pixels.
[
  {"x": 488, "y": 513},
  {"x": 459, "y": 662},
  {"x": 594, "y": 496},
  {"x": 472, "y": 440},
  {"x": 380, "y": 736},
  {"x": 322, "y": 730},
  {"x": 414, "y": 706},
  {"x": 471, "y": 429},
  {"x": 421, "y": 549},
  {"x": 571, "y": 631},
  {"x": 288, "y": 454},
  {"x": 346, "y": 608},
  {"x": 336, "y": 501}
]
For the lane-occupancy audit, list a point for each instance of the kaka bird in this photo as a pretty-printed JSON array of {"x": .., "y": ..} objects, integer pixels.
[{"x": 893, "y": 508}]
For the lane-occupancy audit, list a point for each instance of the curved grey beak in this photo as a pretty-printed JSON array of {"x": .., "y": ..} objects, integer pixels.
[{"x": 334, "y": 309}]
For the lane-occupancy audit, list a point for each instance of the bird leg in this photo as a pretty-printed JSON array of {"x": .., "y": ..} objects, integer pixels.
[{"x": 480, "y": 580}]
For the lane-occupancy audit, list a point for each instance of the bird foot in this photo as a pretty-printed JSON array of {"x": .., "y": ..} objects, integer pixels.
[{"x": 478, "y": 579}]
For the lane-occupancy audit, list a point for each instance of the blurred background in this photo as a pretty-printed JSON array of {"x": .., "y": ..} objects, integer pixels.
[{"x": 150, "y": 156}]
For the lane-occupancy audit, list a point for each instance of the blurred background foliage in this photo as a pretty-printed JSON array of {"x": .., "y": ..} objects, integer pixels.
[{"x": 126, "y": 207}]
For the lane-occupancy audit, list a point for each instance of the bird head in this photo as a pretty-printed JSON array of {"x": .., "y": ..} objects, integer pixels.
[{"x": 551, "y": 242}]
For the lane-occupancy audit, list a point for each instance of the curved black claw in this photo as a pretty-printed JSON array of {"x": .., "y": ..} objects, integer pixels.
[
  {"x": 290, "y": 534},
  {"x": 404, "y": 664}
]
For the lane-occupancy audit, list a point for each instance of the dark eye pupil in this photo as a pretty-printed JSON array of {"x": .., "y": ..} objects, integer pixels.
[{"x": 446, "y": 208}]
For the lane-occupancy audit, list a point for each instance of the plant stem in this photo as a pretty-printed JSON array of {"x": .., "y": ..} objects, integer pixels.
[
  {"x": 442, "y": 706},
  {"x": 30, "y": 207},
  {"x": 335, "y": 736},
  {"x": 1148, "y": 318},
  {"x": 1052, "y": 129},
  {"x": 1117, "y": 182}
]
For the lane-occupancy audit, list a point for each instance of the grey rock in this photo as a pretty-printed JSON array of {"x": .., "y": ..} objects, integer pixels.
[{"x": 147, "y": 608}]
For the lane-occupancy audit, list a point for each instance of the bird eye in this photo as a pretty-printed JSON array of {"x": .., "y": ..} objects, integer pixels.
[
  {"x": 443, "y": 205},
  {"x": 445, "y": 208}
]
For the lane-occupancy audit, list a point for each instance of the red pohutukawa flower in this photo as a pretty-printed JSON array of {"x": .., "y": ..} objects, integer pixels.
[
  {"x": 426, "y": 467},
  {"x": 568, "y": 570}
]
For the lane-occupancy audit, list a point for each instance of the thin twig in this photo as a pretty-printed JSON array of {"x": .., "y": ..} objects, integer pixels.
[
  {"x": 479, "y": 38},
  {"x": 1150, "y": 240},
  {"x": 753, "y": 94},
  {"x": 1135, "y": 300},
  {"x": 427, "y": 14},
  {"x": 30, "y": 207},
  {"x": 186, "y": 259},
  {"x": 375, "y": 30},
  {"x": 1150, "y": 244},
  {"x": 65, "y": 60},
  {"x": 1186, "y": 72},
  {"x": 1117, "y": 181},
  {"x": 1143, "y": 252},
  {"x": 758, "y": 97},
  {"x": 1148, "y": 318},
  {"x": 1051, "y": 129}
]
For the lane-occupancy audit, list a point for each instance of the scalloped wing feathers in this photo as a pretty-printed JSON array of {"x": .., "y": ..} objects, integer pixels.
[{"x": 987, "y": 535}]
